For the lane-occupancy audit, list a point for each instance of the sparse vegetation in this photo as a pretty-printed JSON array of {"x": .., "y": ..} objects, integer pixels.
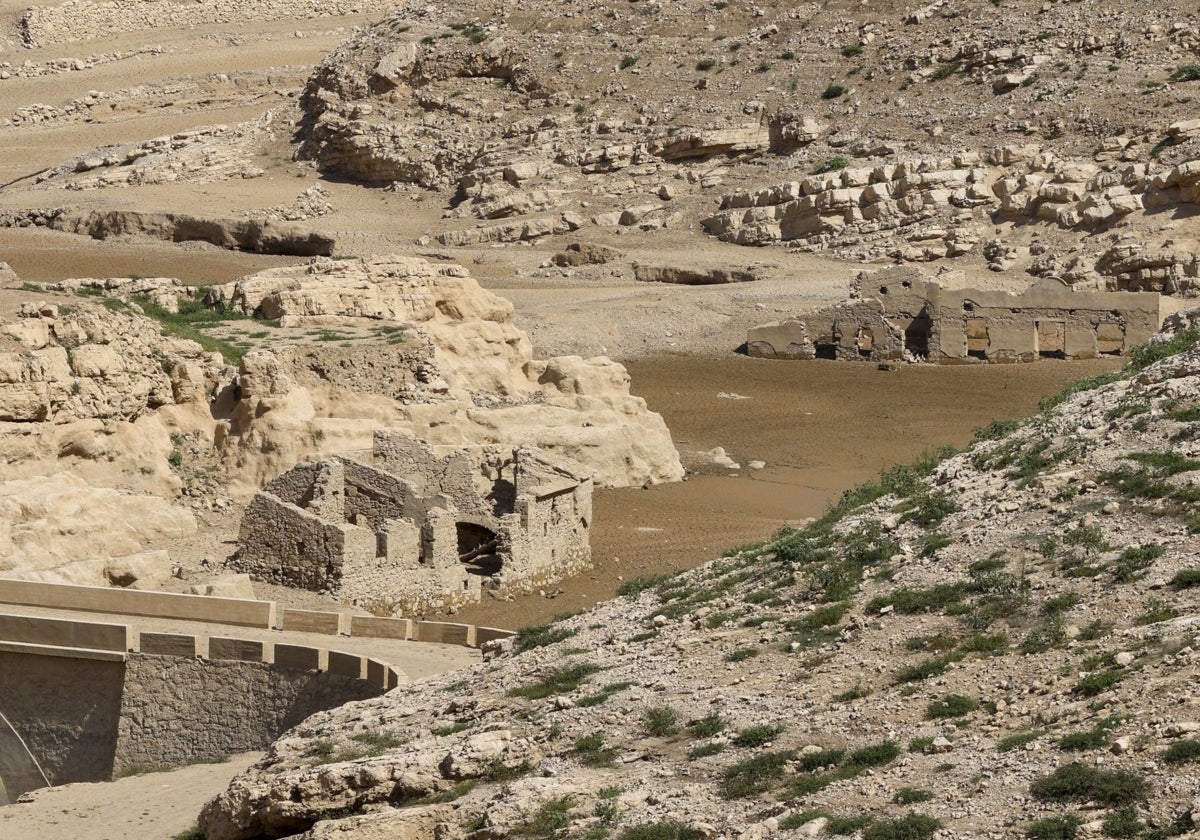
[
  {"x": 559, "y": 680},
  {"x": 660, "y": 721},
  {"x": 1079, "y": 783},
  {"x": 1182, "y": 752},
  {"x": 757, "y": 736},
  {"x": 833, "y": 92}
]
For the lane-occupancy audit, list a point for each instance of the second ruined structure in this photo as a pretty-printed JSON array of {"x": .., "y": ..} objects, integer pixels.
[
  {"x": 414, "y": 530},
  {"x": 897, "y": 314}
]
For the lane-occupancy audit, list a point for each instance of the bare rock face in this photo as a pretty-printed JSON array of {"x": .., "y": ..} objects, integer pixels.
[
  {"x": 463, "y": 373},
  {"x": 51, "y": 521}
]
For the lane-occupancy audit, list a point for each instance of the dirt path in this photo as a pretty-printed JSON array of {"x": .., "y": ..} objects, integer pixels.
[{"x": 155, "y": 806}]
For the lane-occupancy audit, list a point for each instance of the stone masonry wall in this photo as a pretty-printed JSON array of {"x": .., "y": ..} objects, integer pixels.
[
  {"x": 175, "y": 709},
  {"x": 66, "y": 710}
]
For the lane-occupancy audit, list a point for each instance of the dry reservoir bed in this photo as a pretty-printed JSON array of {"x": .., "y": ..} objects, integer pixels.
[{"x": 821, "y": 427}]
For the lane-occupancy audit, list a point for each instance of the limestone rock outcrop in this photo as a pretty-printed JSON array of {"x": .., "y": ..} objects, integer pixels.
[{"x": 462, "y": 373}]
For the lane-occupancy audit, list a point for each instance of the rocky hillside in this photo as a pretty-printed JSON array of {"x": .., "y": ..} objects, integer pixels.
[{"x": 994, "y": 643}]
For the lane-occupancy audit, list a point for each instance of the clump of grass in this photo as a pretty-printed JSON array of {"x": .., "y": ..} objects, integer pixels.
[
  {"x": 756, "y": 736},
  {"x": 634, "y": 587},
  {"x": 592, "y": 752},
  {"x": 911, "y": 796},
  {"x": 1186, "y": 579},
  {"x": 1182, "y": 752},
  {"x": 874, "y": 755},
  {"x": 833, "y": 91},
  {"x": 1018, "y": 739},
  {"x": 1098, "y": 682},
  {"x": 660, "y": 721},
  {"x": 669, "y": 830},
  {"x": 1078, "y": 783},
  {"x": 528, "y": 638},
  {"x": 703, "y": 750},
  {"x": 1156, "y": 611},
  {"x": 603, "y": 694},
  {"x": 560, "y": 680},
  {"x": 910, "y": 827},
  {"x": 628, "y": 61},
  {"x": 906, "y": 601},
  {"x": 741, "y": 654},
  {"x": 1092, "y": 739},
  {"x": 1186, "y": 73},
  {"x": 858, "y": 692},
  {"x": 1123, "y": 822},
  {"x": 934, "y": 666},
  {"x": 851, "y": 50},
  {"x": 951, "y": 706},
  {"x": 1058, "y": 827},
  {"x": 707, "y": 726},
  {"x": 755, "y": 775},
  {"x": 547, "y": 821}
]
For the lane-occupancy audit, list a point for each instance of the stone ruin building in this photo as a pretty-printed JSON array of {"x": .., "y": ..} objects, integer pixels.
[
  {"x": 898, "y": 314},
  {"x": 415, "y": 530}
]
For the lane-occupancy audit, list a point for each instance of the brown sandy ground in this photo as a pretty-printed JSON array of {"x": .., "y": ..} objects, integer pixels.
[
  {"x": 153, "y": 806},
  {"x": 822, "y": 428}
]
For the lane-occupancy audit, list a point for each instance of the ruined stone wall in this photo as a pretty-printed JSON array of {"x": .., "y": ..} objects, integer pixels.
[
  {"x": 459, "y": 475},
  {"x": 66, "y": 710},
  {"x": 1049, "y": 319},
  {"x": 283, "y": 544},
  {"x": 373, "y": 497},
  {"x": 295, "y": 485},
  {"x": 853, "y": 330},
  {"x": 175, "y": 709},
  {"x": 551, "y": 540}
]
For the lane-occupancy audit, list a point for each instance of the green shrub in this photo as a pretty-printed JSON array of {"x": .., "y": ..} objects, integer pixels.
[
  {"x": 825, "y": 616},
  {"x": 1147, "y": 354},
  {"x": 1186, "y": 73},
  {"x": 1078, "y": 783},
  {"x": 637, "y": 585},
  {"x": 193, "y": 833},
  {"x": 910, "y": 827},
  {"x": 669, "y": 830},
  {"x": 1050, "y": 633},
  {"x": 911, "y": 796},
  {"x": 844, "y": 825},
  {"x": 756, "y": 736},
  {"x": 833, "y": 92},
  {"x": 851, "y": 50},
  {"x": 1186, "y": 579},
  {"x": 920, "y": 745},
  {"x": 907, "y": 601},
  {"x": 989, "y": 643},
  {"x": 1182, "y": 752},
  {"x": 927, "y": 509},
  {"x": 547, "y": 821},
  {"x": 703, "y": 750},
  {"x": 706, "y": 64},
  {"x": 857, "y": 693},
  {"x": 754, "y": 775},
  {"x": 1055, "y": 828},
  {"x": 951, "y": 706},
  {"x": 996, "y": 430},
  {"x": 603, "y": 694},
  {"x": 1018, "y": 739},
  {"x": 541, "y": 635},
  {"x": 811, "y": 762},
  {"x": 707, "y": 726},
  {"x": 660, "y": 721},
  {"x": 628, "y": 61},
  {"x": 1098, "y": 682},
  {"x": 874, "y": 755},
  {"x": 741, "y": 654},
  {"x": 1156, "y": 611},
  {"x": 592, "y": 752},
  {"x": 934, "y": 666},
  {"x": 560, "y": 680},
  {"x": 1123, "y": 822}
]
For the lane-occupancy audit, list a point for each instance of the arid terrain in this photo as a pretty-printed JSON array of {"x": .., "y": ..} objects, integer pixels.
[{"x": 239, "y": 237}]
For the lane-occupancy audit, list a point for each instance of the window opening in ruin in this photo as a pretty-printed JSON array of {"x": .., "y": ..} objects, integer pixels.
[
  {"x": 1052, "y": 339},
  {"x": 478, "y": 549},
  {"x": 916, "y": 335},
  {"x": 865, "y": 341},
  {"x": 1110, "y": 338},
  {"x": 968, "y": 306},
  {"x": 978, "y": 339},
  {"x": 503, "y": 496},
  {"x": 825, "y": 347}
]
